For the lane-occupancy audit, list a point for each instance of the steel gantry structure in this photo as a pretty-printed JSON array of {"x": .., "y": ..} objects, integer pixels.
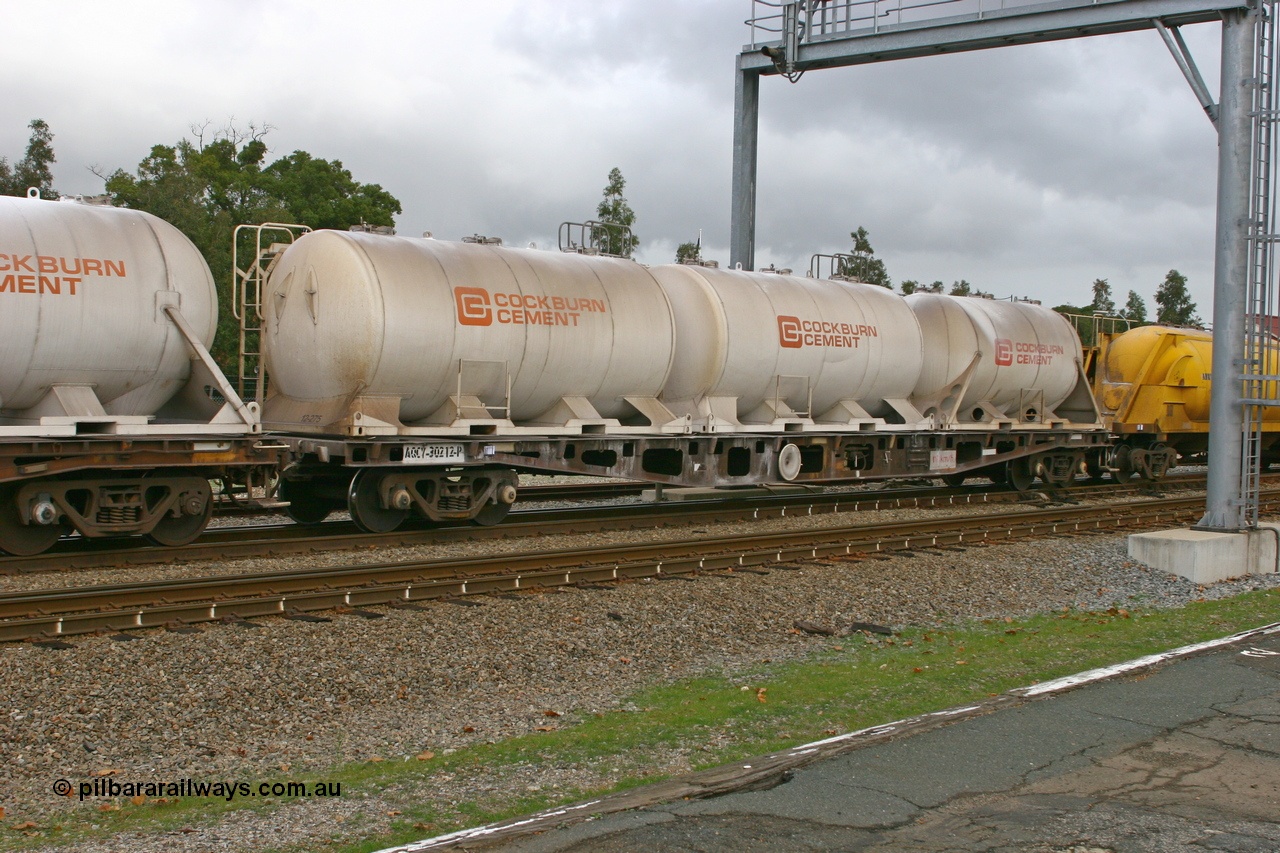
[{"x": 790, "y": 37}]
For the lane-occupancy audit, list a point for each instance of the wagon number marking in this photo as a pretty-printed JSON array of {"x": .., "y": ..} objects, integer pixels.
[{"x": 423, "y": 454}]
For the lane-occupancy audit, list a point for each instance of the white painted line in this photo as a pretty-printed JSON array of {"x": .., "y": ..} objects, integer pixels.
[
  {"x": 1070, "y": 681},
  {"x": 481, "y": 831}
]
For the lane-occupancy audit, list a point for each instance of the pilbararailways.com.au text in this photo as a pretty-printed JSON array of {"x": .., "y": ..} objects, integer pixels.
[{"x": 109, "y": 787}]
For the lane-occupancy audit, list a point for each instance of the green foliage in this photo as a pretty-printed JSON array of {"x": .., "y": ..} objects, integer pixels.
[
  {"x": 935, "y": 287},
  {"x": 1090, "y": 326},
  {"x": 205, "y": 189},
  {"x": 689, "y": 252},
  {"x": 323, "y": 194},
  {"x": 1102, "y": 301},
  {"x": 1135, "y": 309},
  {"x": 614, "y": 210},
  {"x": 863, "y": 265},
  {"x": 909, "y": 286},
  {"x": 861, "y": 241},
  {"x": 33, "y": 169},
  {"x": 1173, "y": 303},
  {"x": 960, "y": 288}
]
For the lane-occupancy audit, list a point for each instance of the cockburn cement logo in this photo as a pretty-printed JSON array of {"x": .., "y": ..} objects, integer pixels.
[
  {"x": 1025, "y": 352},
  {"x": 1004, "y": 352},
  {"x": 478, "y": 307},
  {"x": 56, "y": 275},
  {"x": 794, "y": 333}
]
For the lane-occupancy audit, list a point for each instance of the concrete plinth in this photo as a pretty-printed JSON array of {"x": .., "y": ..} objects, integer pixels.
[{"x": 1206, "y": 556}]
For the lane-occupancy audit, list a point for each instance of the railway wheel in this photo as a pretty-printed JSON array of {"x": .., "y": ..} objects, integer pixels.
[
  {"x": 1020, "y": 473},
  {"x": 497, "y": 509},
  {"x": 1123, "y": 464},
  {"x": 304, "y": 506},
  {"x": 955, "y": 481},
  {"x": 365, "y": 504},
  {"x": 1159, "y": 460},
  {"x": 1093, "y": 468},
  {"x": 492, "y": 514},
  {"x": 197, "y": 509},
  {"x": 24, "y": 540}
]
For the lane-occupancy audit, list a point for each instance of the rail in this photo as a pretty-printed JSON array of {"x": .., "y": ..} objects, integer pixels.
[
  {"x": 252, "y": 541},
  {"x": 59, "y": 613},
  {"x": 231, "y": 542}
]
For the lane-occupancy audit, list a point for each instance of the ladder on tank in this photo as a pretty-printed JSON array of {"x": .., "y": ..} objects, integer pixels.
[
  {"x": 259, "y": 245},
  {"x": 1261, "y": 362}
]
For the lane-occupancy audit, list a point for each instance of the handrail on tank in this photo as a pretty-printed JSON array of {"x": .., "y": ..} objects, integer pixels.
[
  {"x": 1107, "y": 324},
  {"x": 255, "y": 273},
  {"x": 837, "y": 266},
  {"x": 796, "y": 381},
  {"x": 589, "y": 237},
  {"x": 477, "y": 365},
  {"x": 841, "y": 266},
  {"x": 246, "y": 294},
  {"x": 1098, "y": 328}
]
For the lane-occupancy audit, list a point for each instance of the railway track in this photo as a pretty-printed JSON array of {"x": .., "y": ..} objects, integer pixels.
[
  {"x": 175, "y": 603},
  {"x": 289, "y": 538}
]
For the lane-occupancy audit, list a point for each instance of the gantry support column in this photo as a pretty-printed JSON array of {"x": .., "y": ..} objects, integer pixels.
[
  {"x": 1224, "y": 502},
  {"x": 746, "y": 131}
]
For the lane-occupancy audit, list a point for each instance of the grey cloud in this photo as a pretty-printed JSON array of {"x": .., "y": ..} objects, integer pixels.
[{"x": 1021, "y": 169}]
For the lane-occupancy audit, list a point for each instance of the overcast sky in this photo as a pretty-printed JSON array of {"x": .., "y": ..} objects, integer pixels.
[{"x": 1028, "y": 171}]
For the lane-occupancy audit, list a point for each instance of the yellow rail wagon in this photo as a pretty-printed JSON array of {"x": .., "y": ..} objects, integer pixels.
[{"x": 1152, "y": 385}]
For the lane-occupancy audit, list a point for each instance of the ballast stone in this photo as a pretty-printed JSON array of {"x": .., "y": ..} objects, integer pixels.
[{"x": 1208, "y": 556}]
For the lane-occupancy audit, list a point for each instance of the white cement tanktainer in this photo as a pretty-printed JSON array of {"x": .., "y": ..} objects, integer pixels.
[
  {"x": 1028, "y": 355},
  {"x": 82, "y": 296},
  {"x": 746, "y": 339},
  {"x": 353, "y": 315}
]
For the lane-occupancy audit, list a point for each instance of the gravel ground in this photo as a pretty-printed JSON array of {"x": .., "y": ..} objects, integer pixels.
[{"x": 231, "y": 702}]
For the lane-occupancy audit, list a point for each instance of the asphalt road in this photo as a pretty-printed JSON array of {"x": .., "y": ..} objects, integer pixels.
[{"x": 1184, "y": 756}]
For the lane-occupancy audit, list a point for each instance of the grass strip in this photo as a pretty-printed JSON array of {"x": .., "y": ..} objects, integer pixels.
[{"x": 848, "y": 683}]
